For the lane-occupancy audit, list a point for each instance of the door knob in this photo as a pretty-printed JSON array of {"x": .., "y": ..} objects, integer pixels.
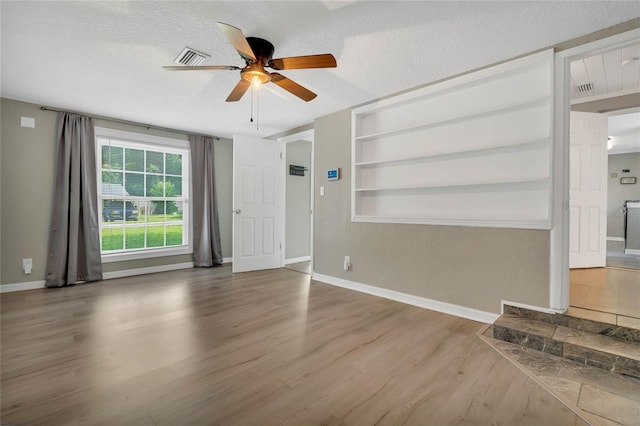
[{"x": 236, "y": 211}]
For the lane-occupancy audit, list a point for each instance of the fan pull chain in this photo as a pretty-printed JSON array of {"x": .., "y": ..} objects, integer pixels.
[
  {"x": 251, "y": 119},
  {"x": 256, "y": 93}
]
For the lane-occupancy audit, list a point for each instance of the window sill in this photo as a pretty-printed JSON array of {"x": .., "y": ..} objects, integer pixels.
[{"x": 145, "y": 254}]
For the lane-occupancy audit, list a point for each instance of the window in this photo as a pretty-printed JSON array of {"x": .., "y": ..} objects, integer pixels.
[{"x": 143, "y": 193}]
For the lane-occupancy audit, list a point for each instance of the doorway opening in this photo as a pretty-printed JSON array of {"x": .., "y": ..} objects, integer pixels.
[
  {"x": 605, "y": 82},
  {"x": 623, "y": 197},
  {"x": 298, "y": 202}
]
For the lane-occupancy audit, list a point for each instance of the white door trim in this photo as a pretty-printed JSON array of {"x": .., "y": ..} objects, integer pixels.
[
  {"x": 559, "y": 238},
  {"x": 306, "y": 135}
]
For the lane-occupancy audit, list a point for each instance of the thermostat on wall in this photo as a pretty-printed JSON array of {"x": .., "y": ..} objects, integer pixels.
[{"x": 333, "y": 174}]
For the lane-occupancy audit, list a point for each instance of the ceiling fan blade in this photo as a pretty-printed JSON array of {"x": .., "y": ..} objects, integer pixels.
[
  {"x": 238, "y": 40},
  {"x": 299, "y": 62},
  {"x": 201, "y": 67},
  {"x": 292, "y": 87},
  {"x": 238, "y": 91}
]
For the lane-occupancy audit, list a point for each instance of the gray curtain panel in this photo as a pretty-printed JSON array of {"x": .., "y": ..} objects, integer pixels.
[
  {"x": 207, "y": 250},
  {"x": 74, "y": 243}
]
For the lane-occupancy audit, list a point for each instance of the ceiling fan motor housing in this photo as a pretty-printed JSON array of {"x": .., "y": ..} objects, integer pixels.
[
  {"x": 254, "y": 72},
  {"x": 262, "y": 49}
]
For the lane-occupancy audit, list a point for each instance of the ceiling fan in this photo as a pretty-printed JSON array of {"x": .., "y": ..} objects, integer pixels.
[{"x": 258, "y": 54}]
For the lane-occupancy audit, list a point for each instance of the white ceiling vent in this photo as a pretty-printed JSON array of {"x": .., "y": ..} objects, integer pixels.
[
  {"x": 584, "y": 88},
  {"x": 190, "y": 57}
]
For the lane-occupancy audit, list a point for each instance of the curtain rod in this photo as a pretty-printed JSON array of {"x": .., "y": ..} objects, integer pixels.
[{"x": 133, "y": 123}]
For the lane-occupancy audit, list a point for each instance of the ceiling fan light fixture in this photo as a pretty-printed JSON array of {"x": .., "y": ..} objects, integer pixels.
[
  {"x": 255, "y": 81},
  {"x": 256, "y": 75}
]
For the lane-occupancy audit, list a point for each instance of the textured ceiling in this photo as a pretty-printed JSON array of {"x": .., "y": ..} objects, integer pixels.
[{"x": 106, "y": 58}]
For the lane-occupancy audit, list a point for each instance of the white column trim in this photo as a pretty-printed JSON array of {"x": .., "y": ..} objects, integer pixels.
[{"x": 559, "y": 236}]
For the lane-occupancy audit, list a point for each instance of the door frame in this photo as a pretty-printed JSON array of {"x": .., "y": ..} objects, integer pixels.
[
  {"x": 559, "y": 236},
  {"x": 309, "y": 136}
]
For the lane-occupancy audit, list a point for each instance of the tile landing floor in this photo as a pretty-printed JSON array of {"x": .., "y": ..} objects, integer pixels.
[
  {"x": 609, "y": 295},
  {"x": 599, "y": 397}
]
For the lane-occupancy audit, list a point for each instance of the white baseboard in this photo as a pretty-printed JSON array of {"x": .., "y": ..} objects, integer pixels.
[
  {"x": 227, "y": 260},
  {"x": 410, "y": 299},
  {"x": 529, "y": 307},
  {"x": 615, "y": 239},
  {"x": 8, "y": 288},
  {"x": 144, "y": 271},
  {"x": 297, "y": 260}
]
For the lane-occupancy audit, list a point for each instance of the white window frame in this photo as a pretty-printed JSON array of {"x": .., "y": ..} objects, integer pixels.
[{"x": 146, "y": 142}]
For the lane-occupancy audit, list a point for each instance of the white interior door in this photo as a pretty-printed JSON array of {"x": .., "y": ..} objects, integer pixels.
[
  {"x": 588, "y": 194},
  {"x": 257, "y": 204}
]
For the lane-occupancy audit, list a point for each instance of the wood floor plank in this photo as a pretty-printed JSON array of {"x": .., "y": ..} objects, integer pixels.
[{"x": 205, "y": 346}]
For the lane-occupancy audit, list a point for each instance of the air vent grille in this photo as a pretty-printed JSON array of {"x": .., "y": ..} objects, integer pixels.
[
  {"x": 190, "y": 57},
  {"x": 583, "y": 88}
]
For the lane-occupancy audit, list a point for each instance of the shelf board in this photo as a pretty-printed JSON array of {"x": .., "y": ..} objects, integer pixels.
[
  {"x": 452, "y": 153},
  {"x": 532, "y": 180},
  {"x": 520, "y": 223},
  {"x": 510, "y": 108}
]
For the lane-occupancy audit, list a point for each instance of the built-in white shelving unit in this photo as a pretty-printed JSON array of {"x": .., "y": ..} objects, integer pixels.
[{"x": 474, "y": 150}]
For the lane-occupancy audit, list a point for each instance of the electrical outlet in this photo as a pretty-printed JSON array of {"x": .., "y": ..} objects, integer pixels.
[
  {"x": 347, "y": 263},
  {"x": 27, "y": 265}
]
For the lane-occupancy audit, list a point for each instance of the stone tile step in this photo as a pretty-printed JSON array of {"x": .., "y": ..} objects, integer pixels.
[
  {"x": 598, "y": 342},
  {"x": 584, "y": 347},
  {"x": 617, "y": 332},
  {"x": 528, "y": 333},
  {"x": 598, "y": 396}
]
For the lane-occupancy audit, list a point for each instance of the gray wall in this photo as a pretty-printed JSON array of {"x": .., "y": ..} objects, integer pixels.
[
  {"x": 28, "y": 158},
  {"x": 473, "y": 267},
  {"x": 223, "y": 160},
  {"x": 27, "y": 171},
  {"x": 298, "y": 202},
  {"x": 617, "y": 193}
]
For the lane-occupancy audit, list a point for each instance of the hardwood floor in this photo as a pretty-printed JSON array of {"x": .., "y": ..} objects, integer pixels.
[
  {"x": 304, "y": 267},
  {"x": 203, "y": 346}
]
